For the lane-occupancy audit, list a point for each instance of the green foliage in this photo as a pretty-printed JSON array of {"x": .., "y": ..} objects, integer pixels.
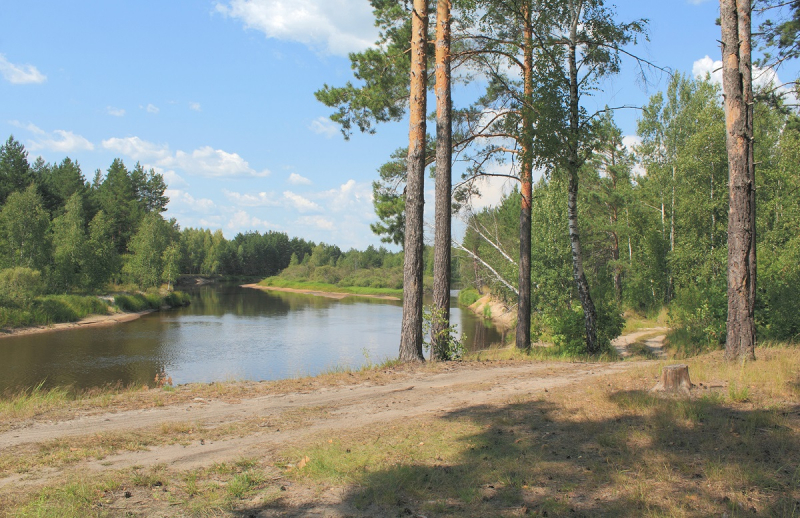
[
  {"x": 19, "y": 286},
  {"x": 448, "y": 339},
  {"x": 468, "y": 297},
  {"x": 24, "y": 225}
]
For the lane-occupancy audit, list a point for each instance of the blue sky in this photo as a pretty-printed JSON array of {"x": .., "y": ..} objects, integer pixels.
[{"x": 218, "y": 97}]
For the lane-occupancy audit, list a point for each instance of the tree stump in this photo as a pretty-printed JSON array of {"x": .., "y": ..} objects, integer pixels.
[{"x": 674, "y": 378}]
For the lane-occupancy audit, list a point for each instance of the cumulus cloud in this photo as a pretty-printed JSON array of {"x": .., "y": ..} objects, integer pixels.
[
  {"x": 20, "y": 74},
  {"x": 261, "y": 199},
  {"x": 350, "y": 194},
  {"x": 137, "y": 148},
  {"x": 762, "y": 77},
  {"x": 63, "y": 142},
  {"x": 324, "y": 126},
  {"x": 241, "y": 220},
  {"x": 631, "y": 141},
  {"x": 151, "y": 108},
  {"x": 194, "y": 106},
  {"x": 205, "y": 161},
  {"x": 182, "y": 201},
  {"x": 116, "y": 112},
  {"x": 296, "y": 179},
  {"x": 319, "y": 222},
  {"x": 332, "y": 26},
  {"x": 300, "y": 203}
]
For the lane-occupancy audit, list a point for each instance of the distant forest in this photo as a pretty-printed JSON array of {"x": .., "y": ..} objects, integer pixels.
[{"x": 80, "y": 237}]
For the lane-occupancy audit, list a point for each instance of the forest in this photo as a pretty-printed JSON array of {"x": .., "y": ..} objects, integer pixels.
[{"x": 608, "y": 228}]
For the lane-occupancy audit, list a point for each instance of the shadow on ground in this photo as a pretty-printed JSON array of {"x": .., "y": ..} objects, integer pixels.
[{"x": 652, "y": 456}]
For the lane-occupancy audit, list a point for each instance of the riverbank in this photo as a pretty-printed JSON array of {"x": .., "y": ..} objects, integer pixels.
[
  {"x": 62, "y": 312},
  {"x": 325, "y": 290},
  {"x": 496, "y": 438}
]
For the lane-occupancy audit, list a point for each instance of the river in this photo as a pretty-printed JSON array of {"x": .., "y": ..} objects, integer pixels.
[{"x": 227, "y": 333}]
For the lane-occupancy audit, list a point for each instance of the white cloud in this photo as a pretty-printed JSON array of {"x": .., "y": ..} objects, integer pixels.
[
  {"x": 631, "y": 141},
  {"x": 241, "y": 220},
  {"x": 762, "y": 77},
  {"x": 116, "y": 112},
  {"x": 194, "y": 106},
  {"x": 300, "y": 203},
  {"x": 151, "y": 108},
  {"x": 261, "y": 199},
  {"x": 181, "y": 201},
  {"x": 33, "y": 128},
  {"x": 20, "y": 74},
  {"x": 137, "y": 148},
  {"x": 296, "y": 179},
  {"x": 333, "y": 26},
  {"x": 63, "y": 142},
  {"x": 205, "y": 161},
  {"x": 324, "y": 126},
  {"x": 350, "y": 194},
  {"x": 319, "y": 222},
  {"x": 704, "y": 66},
  {"x": 171, "y": 178}
]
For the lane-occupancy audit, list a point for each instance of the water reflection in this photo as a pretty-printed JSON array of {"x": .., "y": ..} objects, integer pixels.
[{"x": 226, "y": 333}]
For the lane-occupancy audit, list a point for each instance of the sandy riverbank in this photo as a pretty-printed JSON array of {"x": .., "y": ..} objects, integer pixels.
[
  {"x": 330, "y": 295},
  {"x": 90, "y": 321}
]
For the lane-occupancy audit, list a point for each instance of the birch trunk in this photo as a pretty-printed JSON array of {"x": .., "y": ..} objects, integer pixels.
[{"x": 573, "y": 164}]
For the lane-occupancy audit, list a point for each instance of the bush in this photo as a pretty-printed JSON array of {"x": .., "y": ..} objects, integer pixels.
[
  {"x": 19, "y": 286},
  {"x": 468, "y": 297},
  {"x": 568, "y": 329}
]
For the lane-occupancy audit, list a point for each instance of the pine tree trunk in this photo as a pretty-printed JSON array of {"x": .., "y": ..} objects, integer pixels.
[
  {"x": 442, "y": 247},
  {"x": 523, "y": 332},
  {"x": 737, "y": 85},
  {"x": 411, "y": 328},
  {"x": 573, "y": 164}
]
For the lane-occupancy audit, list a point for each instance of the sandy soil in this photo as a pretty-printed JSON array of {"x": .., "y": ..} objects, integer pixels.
[
  {"x": 328, "y": 409},
  {"x": 326, "y": 294},
  {"x": 502, "y": 316},
  {"x": 90, "y": 321},
  {"x": 653, "y": 338}
]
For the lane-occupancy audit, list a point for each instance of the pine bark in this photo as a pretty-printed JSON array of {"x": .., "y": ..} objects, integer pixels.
[
  {"x": 523, "y": 331},
  {"x": 737, "y": 85},
  {"x": 444, "y": 137},
  {"x": 573, "y": 165},
  {"x": 411, "y": 327}
]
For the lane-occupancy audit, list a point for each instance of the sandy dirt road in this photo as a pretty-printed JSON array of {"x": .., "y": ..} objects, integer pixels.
[{"x": 328, "y": 409}]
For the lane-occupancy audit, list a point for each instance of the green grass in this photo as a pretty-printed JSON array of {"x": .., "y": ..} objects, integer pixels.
[
  {"x": 468, "y": 297},
  {"x": 135, "y": 302},
  {"x": 52, "y": 309},
  {"x": 279, "y": 282}
]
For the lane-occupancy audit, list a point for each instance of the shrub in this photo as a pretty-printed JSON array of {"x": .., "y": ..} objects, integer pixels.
[
  {"x": 468, "y": 297},
  {"x": 19, "y": 286}
]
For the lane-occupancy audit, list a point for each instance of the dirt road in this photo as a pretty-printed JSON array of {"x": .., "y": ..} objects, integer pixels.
[{"x": 283, "y": 419}]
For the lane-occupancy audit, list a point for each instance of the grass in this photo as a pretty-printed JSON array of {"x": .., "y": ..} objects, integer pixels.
[
  {"x": 606, "y": 447},
  {"x": 468, "y": 297},
  {"x": 279, "y": 282},
  {"x": 635, "y": 321},
  {"x": 609, "y": 448},
  {"x": 55, "y": 309}
]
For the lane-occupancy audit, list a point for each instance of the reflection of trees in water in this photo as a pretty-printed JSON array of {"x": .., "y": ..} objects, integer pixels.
[{"x": 481, "y": 334}]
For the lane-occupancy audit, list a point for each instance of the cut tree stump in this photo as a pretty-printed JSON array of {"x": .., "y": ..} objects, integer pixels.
[{"x": 674, "y": 378}]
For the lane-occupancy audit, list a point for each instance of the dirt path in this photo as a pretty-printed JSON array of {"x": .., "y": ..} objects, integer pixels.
[
  {"x": 653, "y": 339},
  {"x": 287, "y": 418}
]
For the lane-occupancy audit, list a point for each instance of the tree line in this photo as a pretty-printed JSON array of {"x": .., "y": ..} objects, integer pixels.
[{"x": 83, "y": 236}]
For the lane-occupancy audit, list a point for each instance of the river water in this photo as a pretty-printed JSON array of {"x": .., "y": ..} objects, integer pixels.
[{"x": 227, "y": 333}]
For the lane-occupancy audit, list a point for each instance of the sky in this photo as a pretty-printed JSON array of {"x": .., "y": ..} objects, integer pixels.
[{"x": 218, "y": 96}]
